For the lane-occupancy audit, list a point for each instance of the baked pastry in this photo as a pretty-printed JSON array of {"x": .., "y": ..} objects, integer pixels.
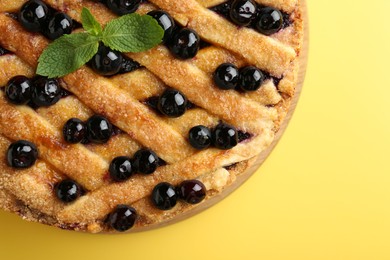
[{"x": 147, "y": 138}]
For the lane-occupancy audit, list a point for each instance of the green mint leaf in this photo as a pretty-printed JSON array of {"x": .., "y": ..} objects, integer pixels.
[
  {"x": 67, "y": 54},
  {"x": 132, "y": 33},
  {"x": 90, "y": 24}
]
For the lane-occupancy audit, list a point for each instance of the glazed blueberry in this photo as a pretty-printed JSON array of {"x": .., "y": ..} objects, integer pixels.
[
  {"x": 128, "y": 65},
  {"x": 22, "y": 154},
  {"x": 226, "y": 76},
  {"x": 34, "y": 15},
  {"x": 122, "y": 7},
  {"x": 19, "y": 90},
  {"x": 121, "y": 168},
  {"x": 99, "y": 129},
  {"x": 106, "y": 62},
  {"x": 200, "y": 137},
  {"x": 47, "y": 92},
  {"x": 165, "y": 21},
  {"x": 67, "y": 190},
  {"x": 192, "y": 191},
  {"x": 164, "y": 196},
  {"x": 58, "y": 25},
  {"x": 122, "y": 218},
  {"x": 184, "y": 44},
  {"x": 146, "y": 161},
  {"x": 269, "y": 21},
  {"x": 3, "y": 51},
  {"x": 242, "y": 12},
  {"x": 251, "y": 78},
  {"x": 74, "y": 131},
  {"x": 172, "y": 103},
  {"x": 225, "y": 136}
]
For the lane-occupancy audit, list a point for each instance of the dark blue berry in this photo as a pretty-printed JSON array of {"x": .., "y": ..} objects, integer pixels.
[
  {"x": 226, "y": 76},
  {"x": 122, "y": 218},
  {"x": 58, "y": 25},
  {"x": 172, "y": 103},
  {"x": 47, "y": 92},
  {"x": 74, "y": 131},
  {"x": 146, "y": 161},
  {"x": 99, "y": 129},
  {"x": 200, "y": 137},
  {"x": 3, "y": 51},
  {"x": 67, "y": 190},
  {"x": 225, "y": 136},
  {"x": 128, "y": 65},
  {"x": 165, "y": 21},
  {"x": 106, "y": 62},
  {"x": 19, "y": 90},
  {"x": 122, "y": 7},
  {"x": 242, "y": 12},
  {"x": 34, "y": 15},
  {"x": 269, "y": 21},
  {"x": 121, "y": 168},
  {"x": 251, "y": 78},
  {"x": 164, "y": 196},
  {"x": 192, "y": 191},
  {"x": 22, "y": 154},
  {"x": 184, "y": 44}
]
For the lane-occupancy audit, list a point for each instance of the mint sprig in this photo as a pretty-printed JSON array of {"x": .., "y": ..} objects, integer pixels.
[{"x": 129, "y": 33}]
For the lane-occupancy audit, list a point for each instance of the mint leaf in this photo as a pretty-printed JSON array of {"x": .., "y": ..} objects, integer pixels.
[
  {"x": 132, "y": 33},
  {"x": 67, "y": 54},
  {"x": 90, "y": 24}
]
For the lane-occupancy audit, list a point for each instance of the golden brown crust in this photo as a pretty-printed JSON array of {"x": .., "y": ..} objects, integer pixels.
[{"x": 30, "y": 193}]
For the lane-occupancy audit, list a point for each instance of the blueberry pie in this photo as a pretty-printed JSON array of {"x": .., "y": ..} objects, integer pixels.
[{"x": 131, "y": 140}]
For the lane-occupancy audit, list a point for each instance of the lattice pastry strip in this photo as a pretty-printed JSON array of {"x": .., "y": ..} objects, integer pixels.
[{"x": 11, "y": 65}]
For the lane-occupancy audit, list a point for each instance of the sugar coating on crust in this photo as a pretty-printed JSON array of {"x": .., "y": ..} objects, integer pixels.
[{"x": 29, "y": 193}]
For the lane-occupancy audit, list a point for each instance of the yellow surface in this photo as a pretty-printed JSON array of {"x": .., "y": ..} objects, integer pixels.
[{"x": 324, "y": 193}]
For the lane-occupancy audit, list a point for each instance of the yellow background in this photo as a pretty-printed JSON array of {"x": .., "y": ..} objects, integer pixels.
[{"x": 324, "y": 193}]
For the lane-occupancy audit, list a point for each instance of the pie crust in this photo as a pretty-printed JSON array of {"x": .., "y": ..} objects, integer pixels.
[{"x": 29, "y": 192}]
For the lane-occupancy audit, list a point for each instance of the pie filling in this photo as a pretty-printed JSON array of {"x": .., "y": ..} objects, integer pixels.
[{"x": 170, "y": 104}]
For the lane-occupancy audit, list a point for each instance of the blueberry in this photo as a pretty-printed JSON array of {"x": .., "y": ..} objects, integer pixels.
[
  {"x": 192, "y": 191},
  {"x": 122, "y": 218},
  {"x": 165, "y": 21},
  {"x": 251, "y": 78},
  {"x": 58, "y": 25},
  {"x": 121, "y": 168},
  {"x": 269, "y": 21},
  {"x": 47, "y": 92},
  {"x": 226, "y": 76},
  {"x": 19, "y": 90},
  {"x": 22, "y": 154},
  {"x": 164, "y": 196},
  {"x": 225, "y": 136},
  {"x": 34, "y": 15},
  {"x": 200, "y": 137},
  {"x": 122, "y": 7},
  {"x": 74, "y": 131},
  {"x": 106, "y": 62},
  {"x": 3, "y": 51},
  {"x": 184, "y": 44},
  {"x": 242, "y": 12},
  {"x": 172, "y": 103},
  {"x": 146, "y": 161},
  {"x": 67, "y": 190},
  {"x": 99, "y": 129},
  {"x": 128, "y": 65}
]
